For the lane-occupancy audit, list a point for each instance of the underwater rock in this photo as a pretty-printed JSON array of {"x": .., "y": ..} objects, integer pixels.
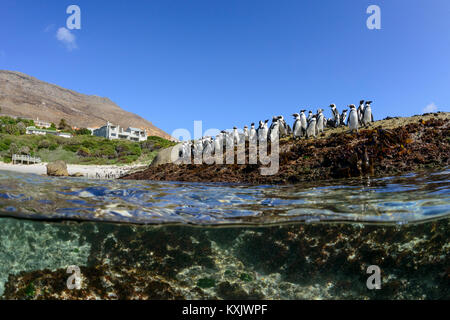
[{"x": 302, "y": 261}]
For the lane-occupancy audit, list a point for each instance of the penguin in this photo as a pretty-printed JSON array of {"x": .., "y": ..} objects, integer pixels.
[
  {"x": 236, "y": 136},
  {"x": 260, "y": 127},
  {"x": 360, "y": 111},
  {"x": 245, "y": 135},
  {"x": 303, "y": 122},
  {"x": 218, "y": 144},
  {"x": 310, "y": 115},
  {"x": 285, "y": 129},
  {"x": 263, "y": 130},
  {"x": 335, "y": 113},
  {"x": 273, "y": 124},
  {"x": 297, "y": 126},
  {"x": 311, "y": 130},
  {"x": 367, "y": 116},
  {"x": 207, "y": 149},
  {"x": 353, "y": 121},
  {"x": 343, "y": 117},
  {"x": 198, "y": 148},
  {"x": 319, "y": 121},
  {"x": 274, "y": 132},
  {"x": 252, "y": 136}
]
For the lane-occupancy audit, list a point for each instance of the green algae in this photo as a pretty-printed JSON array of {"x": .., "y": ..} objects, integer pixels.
[
  {"x": 206, "y": 283},
  {"x": 245, "y": 277}
]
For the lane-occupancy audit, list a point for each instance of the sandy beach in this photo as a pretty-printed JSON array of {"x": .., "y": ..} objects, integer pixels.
[{"x": 89, "y": 171}]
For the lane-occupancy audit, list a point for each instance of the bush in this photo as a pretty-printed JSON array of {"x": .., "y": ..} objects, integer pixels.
[
  {"x": 84, "y": 152},
  {"x": 83, "y": 132},
  {"x": 44, "y": 144},
  {"x": 71, "y": 147},
  {"x": 3, "y": 146},
  {"x": 154, "y": 142}
]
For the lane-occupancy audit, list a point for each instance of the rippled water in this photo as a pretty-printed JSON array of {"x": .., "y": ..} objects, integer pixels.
[
  {"x": 403, "y": 199},
  {"x": 136, "y": 240}
]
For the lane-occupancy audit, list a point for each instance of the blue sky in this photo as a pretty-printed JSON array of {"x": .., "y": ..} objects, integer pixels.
[{"x": 235, "y": 62}]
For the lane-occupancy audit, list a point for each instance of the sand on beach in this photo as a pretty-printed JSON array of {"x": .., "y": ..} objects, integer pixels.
[{"x": 88, "y": 171}]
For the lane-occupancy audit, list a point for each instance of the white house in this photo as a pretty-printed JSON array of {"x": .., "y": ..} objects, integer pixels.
[
  {"x": 111, "y": 131},
  {"x": 38, "y": 131}
]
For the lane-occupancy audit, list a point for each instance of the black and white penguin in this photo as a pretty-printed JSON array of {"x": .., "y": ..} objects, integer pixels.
[
  {"x": 360, "y": 111},
  {"x": 236, "y": 136},
  {"x": 263, "y": 131},
  {"x": 304, "y": 122},
  {"x": 319, "y": 121},
  {"x": 297, "y": 126},
  {"x": 343, "y": 117},
  {"x": 274, "y": 132},
  {"x": 311, "y": 130},
  {"x": 218, "y": 143},
  {"x": 367, "y": 116},
  {"x": 285, "y": 129},
  {"x": 253, "y": 135},
  {"x": 310, "y": 115},
  {"x": 245, "y": 134},
  {"x": 335, "y": 114},
  {"x": 353, "y": 120},
  {"x": 273, "y": 124}
]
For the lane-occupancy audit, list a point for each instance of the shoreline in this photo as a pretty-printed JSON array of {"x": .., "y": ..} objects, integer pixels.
[
  {"x": 387, "y": 147},
  {"x": 88, "y": 171}
]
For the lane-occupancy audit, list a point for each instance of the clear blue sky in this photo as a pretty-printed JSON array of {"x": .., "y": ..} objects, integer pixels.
[{"x": 233, "y": 62}]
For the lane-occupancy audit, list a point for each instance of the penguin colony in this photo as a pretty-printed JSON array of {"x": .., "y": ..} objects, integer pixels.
[{"x": 303, "y": 127}]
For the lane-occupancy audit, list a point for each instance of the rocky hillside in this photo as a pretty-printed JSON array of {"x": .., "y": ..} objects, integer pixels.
[{"x": 25, "y": 96}]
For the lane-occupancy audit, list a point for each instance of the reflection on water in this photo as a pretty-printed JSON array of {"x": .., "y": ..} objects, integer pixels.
[{"x": 404, "y": 199}]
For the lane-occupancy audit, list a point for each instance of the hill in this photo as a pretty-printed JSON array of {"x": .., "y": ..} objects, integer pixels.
[{"x": 25, "y": 96}]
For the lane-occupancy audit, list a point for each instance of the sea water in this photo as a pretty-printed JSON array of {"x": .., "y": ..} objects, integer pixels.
[{"x": 177, "y": 240}]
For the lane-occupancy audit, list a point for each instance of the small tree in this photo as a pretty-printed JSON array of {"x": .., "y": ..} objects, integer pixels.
[
  {"x": 21, "y": 127},
  {"x": 62, "y": 124}
]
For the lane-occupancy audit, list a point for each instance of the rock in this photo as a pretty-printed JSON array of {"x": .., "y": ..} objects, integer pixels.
[
  {"x": 168, "y": 155},
  {"x": 77, "y": 174},
  {"x": 57, "y": 168}
]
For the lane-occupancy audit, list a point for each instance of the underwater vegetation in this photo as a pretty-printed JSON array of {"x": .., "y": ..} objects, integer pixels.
[{"x": 299, "y": 261}]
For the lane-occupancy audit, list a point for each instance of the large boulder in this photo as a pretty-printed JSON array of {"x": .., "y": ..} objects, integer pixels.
[
  {"x": 57, "y": 168},
  {"x": 168, "y": 155}
]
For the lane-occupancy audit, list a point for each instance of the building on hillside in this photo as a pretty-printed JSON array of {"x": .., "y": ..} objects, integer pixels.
[
  {"x": 38, "y": 131},
  {"x": 42, "y": 124},
  {"x": 111, "y": 131}
]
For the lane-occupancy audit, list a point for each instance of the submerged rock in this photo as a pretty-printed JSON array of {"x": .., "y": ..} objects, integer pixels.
[{"x": 301, "y": 261}]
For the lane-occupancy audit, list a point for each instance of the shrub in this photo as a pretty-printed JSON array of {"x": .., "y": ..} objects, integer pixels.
[
  {"x": 83, "y": 132},
  {"x": 44, "y": 144},
  {"x": 83, "y": 152}
]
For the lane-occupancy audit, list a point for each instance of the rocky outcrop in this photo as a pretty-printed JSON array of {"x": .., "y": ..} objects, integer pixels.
[
  {"x": 383, "y": 149},
  {"x": 57, "y": 168},
  {"x": 168, "y": 155}
]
